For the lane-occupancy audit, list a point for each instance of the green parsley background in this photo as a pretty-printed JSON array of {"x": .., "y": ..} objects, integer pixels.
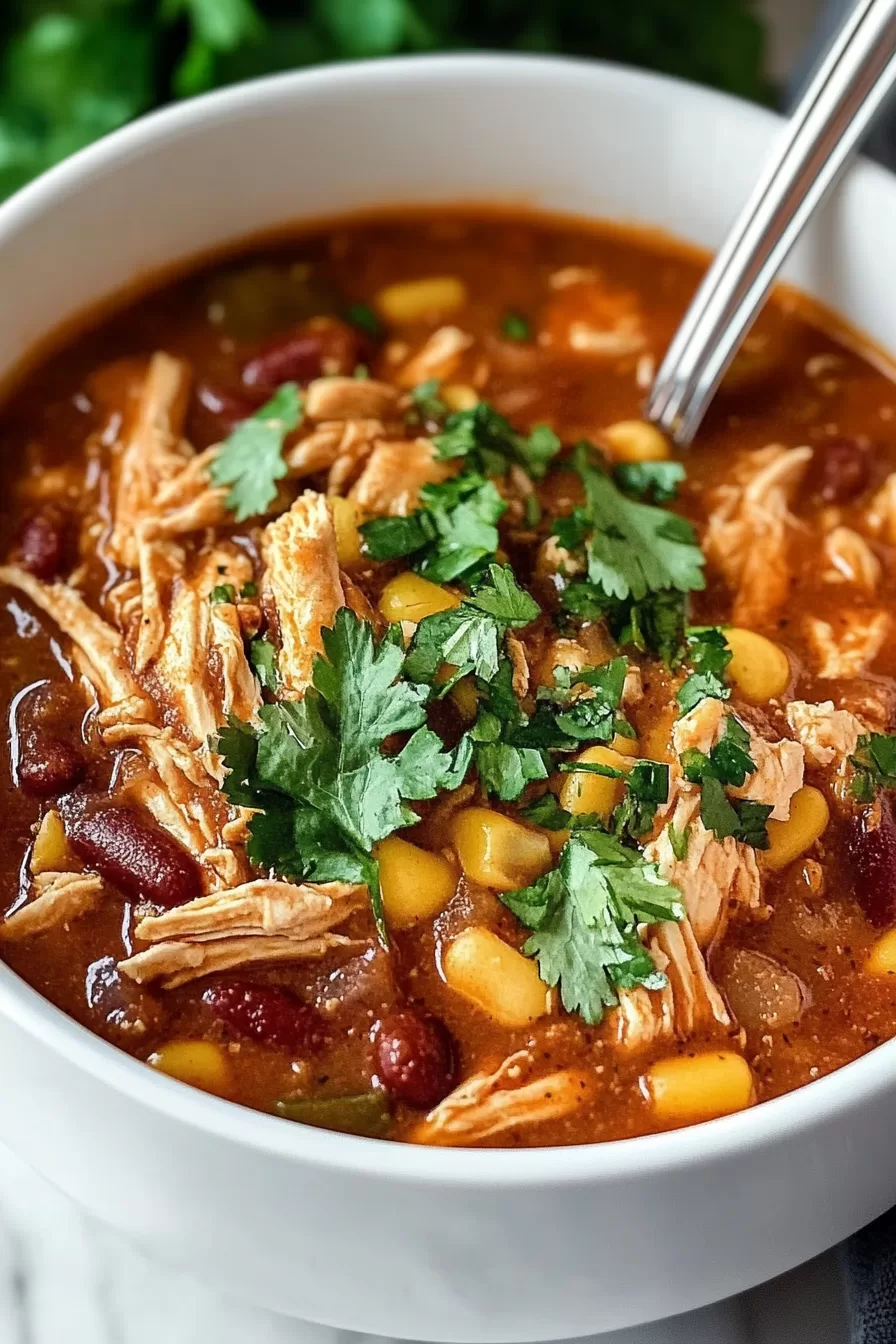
[{"x": 73, "y": 71}]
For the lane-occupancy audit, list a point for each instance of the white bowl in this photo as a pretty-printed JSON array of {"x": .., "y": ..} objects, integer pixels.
[{"x": 433, "y": 1244}]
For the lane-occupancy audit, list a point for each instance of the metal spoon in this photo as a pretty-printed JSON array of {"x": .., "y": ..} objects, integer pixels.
[{"x": 842, "y": 99}]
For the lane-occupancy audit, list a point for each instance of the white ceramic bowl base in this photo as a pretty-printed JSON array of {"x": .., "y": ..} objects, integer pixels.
[{"x": 443, "y": 1244}]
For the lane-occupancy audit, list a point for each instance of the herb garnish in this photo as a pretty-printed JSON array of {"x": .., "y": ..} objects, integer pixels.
[
  {"x": 649, "y": 480},
  {"x": 222, "y": 592},
  {"x": 362, "y": 316},
  {"x": 251, "y": 461},
  {"x": 515, "y": 327},
  {"x": 709, "y": 655},
  {"x": 875, "y": 765},
  {"x": 469, "y": 637},
  {"x": 586, "y": 702},
  {"x": 490, "y": 444},
  {"x": 585, "y": 915},
  {"x": 452, "y": 533}
]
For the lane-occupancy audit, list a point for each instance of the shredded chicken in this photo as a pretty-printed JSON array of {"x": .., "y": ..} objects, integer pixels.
[
  {"x": 517, "y": 651},
  {"x": 60, "y": 898},
  {"x": 829, "y": 736},
  {"x": 491, "y": 1103},
  {"x": 777, "y": 777},
  {"x": 159, "y": 562},
  {"x": 715, "y": 877},
  {"x": 688, "y": 1002},
  {"x": 176, "y": 963},
  {"x": 302, "y": 579},
  {"x": 341, "y": 398},
  {"x": 264, "y": 907},
  {"x": 850, "y": 560},
  {"x": 881, "y": 515},
  {"x": 391, "y": 481},
  {"x": 699, "y": 729},
  {"x": 438, "y": 357},
  {"x": 749, "y": 530},
  {"x": 338, "y": 446},
  {"x": 852, "y": 647},
  {"x": 152, "y": 452}
]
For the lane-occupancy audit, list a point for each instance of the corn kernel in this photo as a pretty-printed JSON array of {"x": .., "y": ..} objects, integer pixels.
[
  {"x": 759, "y": 669},
  {"x": 414, "y": 300},
  {"x": 635, "y": 441},
  {"x": 51, "y": 853},
  {"x": 501, "y": 981},
  {"x": 466, "y": 699},
  {"x": 656, "y": 740},
  {"x": 348, "y": 538},
  {"x": 408, "y": 597},
  {"x": 809, "y": 816},
  {"x": 687, "y": 1088},
  {"x": 415, "y": 883},
  {"x": 498, "y": 852},
  {"x": 882, "y": 957},
  {"x": 200, "y": 1063},
  {"x": 459, "y": 396},
  {"x": 585, "y": 792},
  {"x": 625, "y": 746}
]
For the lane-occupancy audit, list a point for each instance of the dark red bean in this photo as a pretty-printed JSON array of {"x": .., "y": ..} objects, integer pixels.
[
  {"x": 144, "y": 862},
  {"x": 840, "y": 470},
  {"x": 416, "y": 1058},
  {"x": 42, "y": 545},
  {"x": 266, "y": 1014},
  {"x": 871, "y": 849},
  {"x": 48, "y": 766},
  {"x": 322, "y": 346}
]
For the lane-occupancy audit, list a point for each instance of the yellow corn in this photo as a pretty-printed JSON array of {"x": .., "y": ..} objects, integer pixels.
[
  {"x": 51, "y": 853},
  {"x": 199, "y": 1063},
  {"x": 687, "y": 1088},
  {"x": 459, "y": 396},
  {"x": 498, "y": 852},
  {"x": 585, "y": 792},
  {"x": 656, "y": 740},
  {"x": 414, "y": 300},
  {"x": 635, "y": 441},
  {"x": 415, "y": 883},
  {"x": 466, "y": 699},
  {"x": 408, "y": 597},
  {"x": 759, "y": 669},
  {"x": 809, "y": 816},
  {"x": 625, "y": 746},
  {"x": 882, "y": 957},
  {"x": 348, "y": 538},
  {"x": 498, "y": 979}
]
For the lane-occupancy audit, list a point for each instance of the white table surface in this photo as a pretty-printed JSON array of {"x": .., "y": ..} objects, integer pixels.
[{"x": 66, "y": 1280}]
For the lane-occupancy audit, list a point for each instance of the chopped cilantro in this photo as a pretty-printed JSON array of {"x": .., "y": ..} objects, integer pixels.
[
  {"x": 547, "y": 813},
  {"x": 490, "y": 444},
  {"x": 249, "y": 590},
  {"x": 646, "y": 787},
  {"x": 729, "y": 761},
  {"x": 316, "y": 769},
  {"x": 745, "y": 820},
  {"x": 222, "y": 592},
  {"x": 654, "y": 625},
  {"x": 469, "y": 637},
  {"x": 515, "y": 327},
  {"x": 709, "y": 655},
  {"x": 586, "y": 703},
  {"x": 875, "y": 765},
  {"x": 263, "y": 657},
  {"x": 428, "y": 405},
  {"x": 679, "y": 840},
  {"x": 251, "y": 461},
  {"x": 506, "y": 753},
  {"x": 454, "y": 532},
  {"x": 361, "y": 372},
  {"x": 632, "y": 549},
  {"x": 362, "y": 316},
  {"x": 649, "y": 480},
  {"x": 532, "y": 510},
  {"x": 585, "y": 915}
]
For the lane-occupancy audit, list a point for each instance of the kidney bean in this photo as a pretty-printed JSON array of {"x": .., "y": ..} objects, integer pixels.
[
  {"x": 48, "y": 766},
  {"x": 42, "y": 545},
  {"x": 416, "y": 1058},
  {"x": 266, "y": 1014},
  {"x": 322, "y": 346},
  {"x": 871, "y": 848},
  {"x": 144, "y": 862},
  {"x": 840, "y": 470}
]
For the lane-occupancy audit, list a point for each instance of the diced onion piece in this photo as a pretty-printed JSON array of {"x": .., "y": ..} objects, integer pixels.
[
  {"x": 415, "y": 300},
  {"x": 688, "y": 1088},
  {"x": 584, "y": 792},
  {"x": 408, "y": 597},
  {"x": 759, "y": 669},
  {"x": 415, "y": 883},
  {"x": 498, "y": 852},
  {"x": 501, "y": 981},
  {"x": 809, "y": 816},
  {"x": 635, "y": 441},
  {"x": 202, "y": 1064}
]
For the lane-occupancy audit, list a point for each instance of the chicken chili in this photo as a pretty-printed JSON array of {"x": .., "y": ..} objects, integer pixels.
[{"x": 403, "y": 739}]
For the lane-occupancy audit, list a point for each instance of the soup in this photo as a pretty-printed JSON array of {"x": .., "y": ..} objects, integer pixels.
[{"x": 403, "y": 738}]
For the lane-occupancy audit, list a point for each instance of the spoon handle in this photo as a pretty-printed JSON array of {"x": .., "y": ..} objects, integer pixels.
[{"x": 841, "y": 101}]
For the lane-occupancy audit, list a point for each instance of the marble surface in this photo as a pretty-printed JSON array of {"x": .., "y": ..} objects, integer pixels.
[{"x": 66, "y": 1280}]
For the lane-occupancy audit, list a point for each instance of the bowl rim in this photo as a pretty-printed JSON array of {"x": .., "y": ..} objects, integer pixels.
[{"x": 836, "y": 1094}]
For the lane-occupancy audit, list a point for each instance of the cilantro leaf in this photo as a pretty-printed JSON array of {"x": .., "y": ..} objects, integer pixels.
[
  {"x": 263, "y": 657},
  {"x": 649, "y": 480},
  {"x": 875, "y": 765},
  {"x": 729, "y": 761},
  {"x": 222, "y": 592},
  {"x": 515, "y": 327},
  {"x": 633, "y": 549},
  {"x": 654, "y": 625},
  {"x": 584, "y": 916},
  {"x": 428, "y": 406},
  {"x": 679, "y": 840},
  {"x": 587, "y": 702},
  {"x": 491, "y": 445},
  {"x": 454, "y": 531},
  {"x": 251, "y": 461},
  {"x": 646, "y": 787},
  {"x": 469, "y": 636},
  {"x": 709, "y": 655},
  {"x": 506, "y": 761},
  {"x": 745, "y": 821},
  {"x": 362, "y": 316}
]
